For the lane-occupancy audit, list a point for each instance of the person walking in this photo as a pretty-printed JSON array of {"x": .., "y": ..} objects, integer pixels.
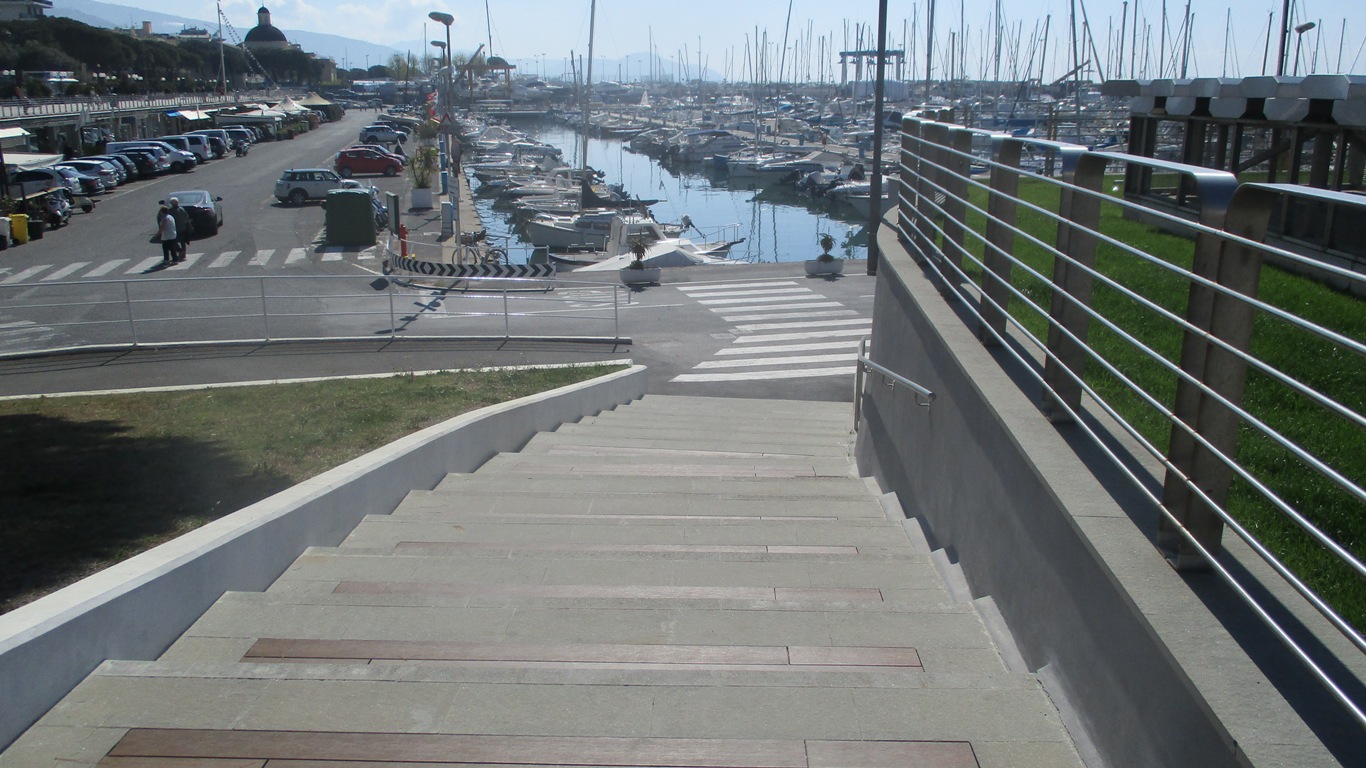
[
  {"x": 182, "y": 228},
  {"x": 166, "y": 234}
]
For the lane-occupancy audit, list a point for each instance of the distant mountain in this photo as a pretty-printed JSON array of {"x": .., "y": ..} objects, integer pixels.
[{"x": 344, "y": 50}]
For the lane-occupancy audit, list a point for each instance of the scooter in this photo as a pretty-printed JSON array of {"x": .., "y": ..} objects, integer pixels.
[
  {"x": 58, "y": 210},
  {"x": 243, "y": 148}
]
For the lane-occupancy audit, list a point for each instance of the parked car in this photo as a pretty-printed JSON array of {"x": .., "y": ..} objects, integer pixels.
[
  {"x": 382, "y": 134},
  {"x": 151, "y": 161},
  {"x": 94, "y": 168},
  {"x": 205, "y": 210},
  {"x": 180, "y": 161},
  {"x": 220, "y": 134},
  {"x": 193, "y": 143},
  {"x": 298, "y": 185},
  {"x": 35, "y": 180},
  {"x": 84, "y": 183},
  {"x": 129, "y": 166},
  {"x": 352, "y": 161},
  {"x": 239, "y": 135}
]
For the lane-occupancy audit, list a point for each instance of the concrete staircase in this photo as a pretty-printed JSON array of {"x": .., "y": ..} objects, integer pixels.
[{"x": 679, "y": 582}]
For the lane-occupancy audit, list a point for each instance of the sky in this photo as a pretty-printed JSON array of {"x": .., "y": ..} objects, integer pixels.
[{"x": 546, "y": 31}]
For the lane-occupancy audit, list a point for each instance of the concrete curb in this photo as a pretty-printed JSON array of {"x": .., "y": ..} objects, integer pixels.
[{"x": 136, "y": 609}]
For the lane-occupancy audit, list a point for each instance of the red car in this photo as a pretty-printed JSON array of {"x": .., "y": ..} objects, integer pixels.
[{"x": 354, "y": 160}]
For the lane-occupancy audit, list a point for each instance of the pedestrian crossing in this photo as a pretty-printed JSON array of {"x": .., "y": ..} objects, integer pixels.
[
  {"x": 784, "y": 330},
  {"x": 113, "y": 269}
]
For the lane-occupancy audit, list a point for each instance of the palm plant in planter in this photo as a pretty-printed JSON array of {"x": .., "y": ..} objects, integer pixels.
[
  {"x": 825, "y": 264},
  {"x": 422, "y": 165},
  {"x": 636, "y": 273}
]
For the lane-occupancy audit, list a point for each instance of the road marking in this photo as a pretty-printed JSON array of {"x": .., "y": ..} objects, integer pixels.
[
  {"x": 801, "y": 304},
  {"x": 801, "y": 373},
  {"x": 224, "y": 259},
  {"x": 791, "y": 315},
  {"x": 808, "y": 296},
  {"x": 144, "y": 265},
  {"x": 19, "y": 277},
  {"x": 847, "y": 343},
  {"x": 692, "y": 290},
  {"x": 68, "y": 269},
  {"x": 261, "y": 257},
  {"x": 16, "y": 324},
  {"x": 296, "y": 255},
  {"x": 751, "y": 361},
  {"x": 771, "y": 292},
  {"x": 760, "y": 339},
  {"x": 188, "y": 262},
  {"x": 105, "y": 268},
  {"x": 368, "y": 253},
  {"x": 332, "y": 254},
  {"x": 780, "y": 326}
]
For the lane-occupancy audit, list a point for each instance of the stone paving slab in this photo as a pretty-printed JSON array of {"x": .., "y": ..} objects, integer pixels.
[
  {"x": 531, "y": 483},
  {"x": 697, "y": 442},
  {"x": 568, "y": 503}
]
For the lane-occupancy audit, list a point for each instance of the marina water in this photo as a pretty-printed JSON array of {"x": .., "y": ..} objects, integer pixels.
[{"x": 778, "y": 223}]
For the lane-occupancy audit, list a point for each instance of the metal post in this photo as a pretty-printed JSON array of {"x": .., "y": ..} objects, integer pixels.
[
  {"x": 393, "y": 330},
  {"x": 1078, "y": 222},
  {"x": 128, "y": 302},
  {"x": 265, "y": 315},
  {"x": 875, "y": 188},
  {"x": 507, "y": 321}
]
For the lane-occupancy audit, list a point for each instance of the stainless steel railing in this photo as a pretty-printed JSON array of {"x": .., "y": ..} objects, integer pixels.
[
  {"x": 890, "y": 378},
  {"x": 101, "y": 314},
  {"x": 1172, "y": 346}
]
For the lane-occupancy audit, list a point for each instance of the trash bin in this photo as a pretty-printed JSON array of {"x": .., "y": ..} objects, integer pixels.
[
  {"x": 350, "y": 217},
  {"x": 36, "y": 225},
  {"x": 4, "y": 232},
  {"x": 18, "y": 227}
]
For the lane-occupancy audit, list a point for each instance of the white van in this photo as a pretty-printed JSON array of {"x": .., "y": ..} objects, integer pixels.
[{"x": 191, "y": 142}]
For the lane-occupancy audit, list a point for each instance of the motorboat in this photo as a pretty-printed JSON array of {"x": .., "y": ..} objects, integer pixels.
[
  {"x": 591, "y": 229},
  {"x": 662, "y": 251}
]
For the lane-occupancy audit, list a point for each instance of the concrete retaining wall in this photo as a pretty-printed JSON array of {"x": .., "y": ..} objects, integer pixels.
[
  {"x": 137, "y": 608},
  {"x": 1143, "y": 671}
]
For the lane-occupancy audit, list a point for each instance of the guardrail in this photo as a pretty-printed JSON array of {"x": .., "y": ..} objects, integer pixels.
[
  {"x": 100, "y": 314},
  {"x": 890, "y": 378},
  {"x": 1217, "y": 369}
]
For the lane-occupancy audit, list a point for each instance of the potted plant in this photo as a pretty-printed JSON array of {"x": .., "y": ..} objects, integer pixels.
[
  {"x": 824, "y": 264},
  {"x": 423, "y": 167},
  {"x": 636, "y": 273}
]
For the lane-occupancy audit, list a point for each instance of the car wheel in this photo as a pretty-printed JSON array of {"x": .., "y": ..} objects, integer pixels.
[
  {"x": 345, "y": 171},
  {"x": 211, "y": 229},
  {"x": 297, "y": 197},
  {"x": 391, "y": 171}
]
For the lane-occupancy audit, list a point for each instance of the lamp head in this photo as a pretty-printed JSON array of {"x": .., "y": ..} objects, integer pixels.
[
  {"x": 439, "y": 44},
  {"x": 444, "y": 18},
  {"x": 1306, "y": 26}
]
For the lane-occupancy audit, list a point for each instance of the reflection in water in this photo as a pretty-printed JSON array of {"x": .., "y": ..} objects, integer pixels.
[{"x": 778, "y": 223}]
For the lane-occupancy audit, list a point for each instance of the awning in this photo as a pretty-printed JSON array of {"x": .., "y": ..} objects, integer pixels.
[
  {"x": 190, "y": 114},
  {"x": 13, "y": 133},
  {"x": 23, "y": 161}
]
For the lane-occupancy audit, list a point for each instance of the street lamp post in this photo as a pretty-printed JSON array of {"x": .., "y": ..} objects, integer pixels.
[
  {"x": 1299, "y": 41},
  {"x": 450, "y": 186}
]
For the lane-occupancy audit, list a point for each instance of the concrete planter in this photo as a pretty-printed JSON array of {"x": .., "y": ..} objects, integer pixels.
[
  {"x": 422, "y": 198},
  {"x": 647, "y": 276},
  {"x": 816, "y": 267}
]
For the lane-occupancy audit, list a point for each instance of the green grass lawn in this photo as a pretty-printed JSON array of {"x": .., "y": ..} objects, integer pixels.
[
  {"x": 1329, "y": 369},
  {"x": 90, "y": 481}
]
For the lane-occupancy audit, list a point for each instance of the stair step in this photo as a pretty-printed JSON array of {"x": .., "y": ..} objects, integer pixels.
[
  {"x": 630, "y": 505},
  {"x": 530, "y": 483},
  {"x": 697, "y": 444},
  {"x": 667, "y": 466}
]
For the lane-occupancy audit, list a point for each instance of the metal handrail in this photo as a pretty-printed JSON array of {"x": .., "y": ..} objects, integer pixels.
[{"x": 923, "y": 396}]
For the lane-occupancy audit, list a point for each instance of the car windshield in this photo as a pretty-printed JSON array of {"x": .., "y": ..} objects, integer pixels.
[{"x": 196, "y": 198}]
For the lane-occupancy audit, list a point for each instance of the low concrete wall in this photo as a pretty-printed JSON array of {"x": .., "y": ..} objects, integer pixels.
[
  {"x": 137, "y": 608},
  {"x": 1143, "y": 671}
]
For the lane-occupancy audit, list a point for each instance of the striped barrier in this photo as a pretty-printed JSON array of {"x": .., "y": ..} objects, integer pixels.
[{"x": 431, "y": 269}]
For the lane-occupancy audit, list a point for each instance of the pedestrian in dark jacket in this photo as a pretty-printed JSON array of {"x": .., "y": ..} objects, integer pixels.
[
  {"x": 166, "y": 234},
  {"x": 182, "y": 228}
]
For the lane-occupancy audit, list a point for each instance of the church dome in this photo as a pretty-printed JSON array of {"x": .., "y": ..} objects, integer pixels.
[{"x": 263, "y": 33}]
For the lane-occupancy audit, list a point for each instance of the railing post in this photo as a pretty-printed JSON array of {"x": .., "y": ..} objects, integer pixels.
[
  {"x": 1078, "y": 221},
  {"x": 393, "y": 330},
  {"x": 265, "y": 313},
  {"x": 507, "y": 321},
  {"x": 957, "y": 161},
  {"x": 935, "y": 135},
  {"x": 1000, "y": 248},
  {"x": 128, "y": 303},
  {"x": 911, "y": 185},
  {"x": 1217, "y": 314}
]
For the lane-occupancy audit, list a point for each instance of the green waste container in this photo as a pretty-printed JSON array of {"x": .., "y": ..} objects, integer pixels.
[
  {"x": 350, "y": 217},
  {"x": 18, "y": 227}
]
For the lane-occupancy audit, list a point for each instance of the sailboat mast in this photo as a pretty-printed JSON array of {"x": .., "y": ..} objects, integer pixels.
[
  {"x": 222, "y": 65},
  {"x": 588, "y": 78}
]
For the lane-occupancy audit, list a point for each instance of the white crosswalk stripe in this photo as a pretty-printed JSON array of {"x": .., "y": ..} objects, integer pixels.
[
  {"x": 19, "y": 277},
  {"x": 190, "y": 259},
  {"x": 772, "y": 350},
  {"x": 261, "y": 258},
  {"x": 75, "y": 266},
  {"x": 296, "y": 255},
  {"x": 105, "y": 268},
  {"x": 144, "y": 265},
  {"x": 224, "y": 259},
  {"x": 332, "y": 254}
]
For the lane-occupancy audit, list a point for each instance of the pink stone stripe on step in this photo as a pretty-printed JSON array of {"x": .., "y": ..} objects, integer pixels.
[
  {"x": 595, "y": 591},
  {"x": 194, "y": 748}
]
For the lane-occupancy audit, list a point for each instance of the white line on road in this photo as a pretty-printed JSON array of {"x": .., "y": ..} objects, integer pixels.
[
  {"x": 807, "y": 296},
  {"x": 144, "y": 265},
  {"x": 224, "y": 259},
  {"x": 68, "y": 269},
  {"x": 791, "y": 315},
  {"x": 823, "y": 323},
  {"x": 105, "y": 268},
  {"x": 694, "y": 290},
  {"x": 756, "y": 292},
  {"x": 296, "y": 255},
  {"x": 261, "y": 257},
  {"x": 18, "y": 277},
  {"x": 801, "y": 359},
  {"x": 801, "y": 304},
  {"x": 799, "y": 336},
  {"x": 188, "y": 262},
  {"x": 845, "y": 344},
  {"x": 801, "y": 373},
  {"x": 331, "y": 254}
]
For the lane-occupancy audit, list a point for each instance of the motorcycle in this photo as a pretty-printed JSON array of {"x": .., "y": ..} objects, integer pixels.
[
  {"x": 58, "y": 209},
  {"x": 243, "y": 148}
]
